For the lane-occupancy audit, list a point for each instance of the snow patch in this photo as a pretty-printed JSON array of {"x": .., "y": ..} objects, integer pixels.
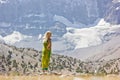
[
  {"x": 3, "y": 1},
  {"x": 15, "y": 37},
  {"x": 86, "y": 37},
  {"x": 62, "y": 20},
  {"x": 39, "y": 37},
  {"x": 35, "y": 15},
  {"x": 102, "y": 23},
  {"x": 116, "y": 1},
  {"x": 117, "y": 8},
  {"x": 67, "y": 22}
]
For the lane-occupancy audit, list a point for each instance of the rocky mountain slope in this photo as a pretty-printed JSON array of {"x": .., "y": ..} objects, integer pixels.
[
  {"x": 28, "y": 61},
  {"x": 112, "y": 14},
  {"x": 106, "y": 37},
  {"x": 110, "y": 50}
]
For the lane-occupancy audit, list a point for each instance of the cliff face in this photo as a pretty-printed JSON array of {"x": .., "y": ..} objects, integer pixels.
[
  {"x": 38, "y": 16},
  {"x": 113, "y": 13},
  {"x": 78, "y": 10}
]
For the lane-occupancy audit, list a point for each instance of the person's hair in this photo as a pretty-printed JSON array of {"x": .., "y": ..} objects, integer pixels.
[{"x": 46, "y": 33}]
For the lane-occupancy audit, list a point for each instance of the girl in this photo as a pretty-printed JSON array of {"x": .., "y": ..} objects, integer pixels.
[{"x": 46, "y": 51}]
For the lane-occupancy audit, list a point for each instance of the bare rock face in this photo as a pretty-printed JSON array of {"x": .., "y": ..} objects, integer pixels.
[
  {"x": 113, "y": 13},
  {"x": 36, "y": 17}
]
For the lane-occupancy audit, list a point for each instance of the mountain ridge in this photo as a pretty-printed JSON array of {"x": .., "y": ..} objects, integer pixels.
[{"x": 38, "y": 16}]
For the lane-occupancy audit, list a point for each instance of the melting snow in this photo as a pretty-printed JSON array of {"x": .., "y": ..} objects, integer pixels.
[
  {"x": 39, "y": 37},
  {"x": 14, "y": 37},
  {"x": 92, "y": 36},
  {"x": 67, "y": 22},
  {"x": 117, "y": 8},
  {"x": 3, "y": 1}
]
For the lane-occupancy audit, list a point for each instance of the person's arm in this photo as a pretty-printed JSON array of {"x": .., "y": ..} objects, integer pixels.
[{"x": 49, "y": 44}]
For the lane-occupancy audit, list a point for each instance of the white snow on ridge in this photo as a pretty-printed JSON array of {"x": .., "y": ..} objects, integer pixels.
[
  {"x": 92, "y": 36},
  {"x": 36, "y": 15},
  {"x": 62, "y": 20},
  {"x": 115, "y": 1},
  {"x": 67, "y": 22},
  {"x": 40, "y": 36},
  {"x": 15, "y": 37},
  {"x": 3, "y": 1},
  {"x": 117, "y": 8}
]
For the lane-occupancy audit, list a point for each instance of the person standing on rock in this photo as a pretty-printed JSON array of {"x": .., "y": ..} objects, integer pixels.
[{"x": 46, "y": 51}]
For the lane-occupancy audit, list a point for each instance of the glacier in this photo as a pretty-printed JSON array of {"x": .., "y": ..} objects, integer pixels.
[
  {"x": 92, "y": 36},
  {"x": 15, "y": 37}
]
